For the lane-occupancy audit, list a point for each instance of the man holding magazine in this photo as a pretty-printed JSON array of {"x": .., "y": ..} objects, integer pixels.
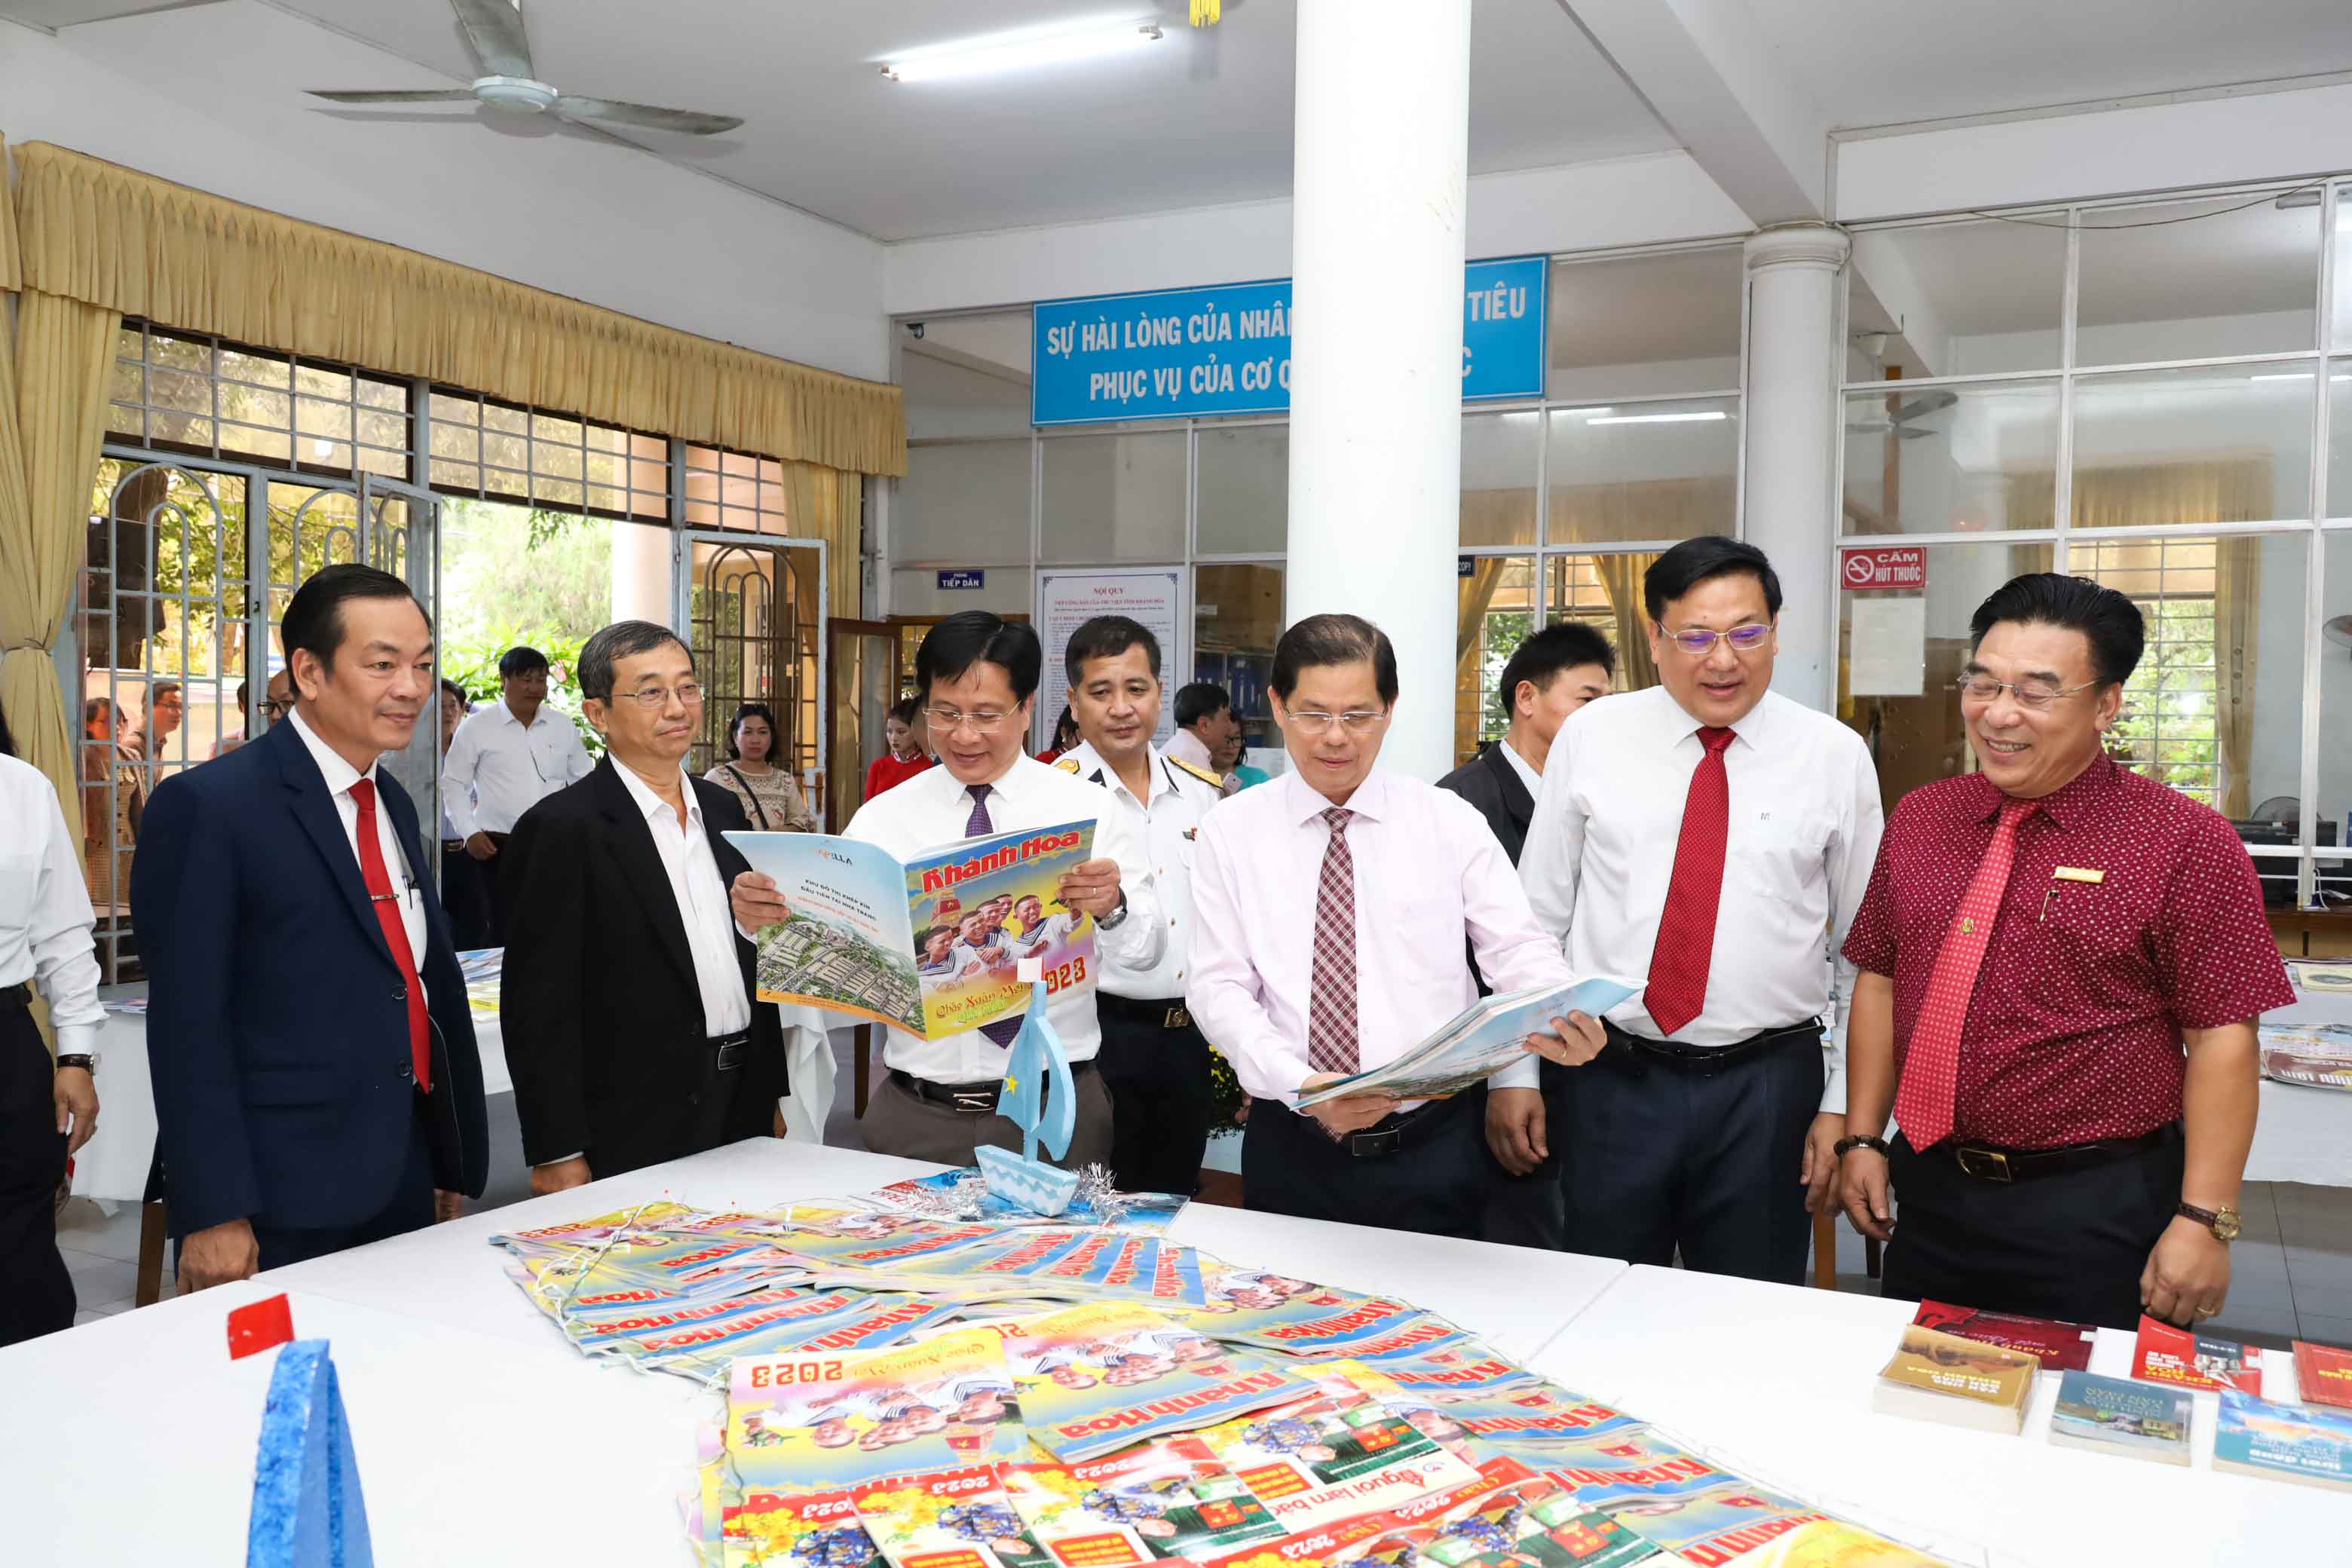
[
  {"x": 979, "y": 678},
  {"x": 1331, "y": 909}
]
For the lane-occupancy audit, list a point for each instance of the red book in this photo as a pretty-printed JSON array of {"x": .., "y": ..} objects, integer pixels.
[
  {"x": 2061, "y": 1347},
  {"x": 2175, "y": 1356},
  {"x": 2323, "y": 1374}
]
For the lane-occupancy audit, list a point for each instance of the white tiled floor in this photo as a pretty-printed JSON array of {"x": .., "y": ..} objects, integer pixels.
[{"x": 101, "y": 1253}]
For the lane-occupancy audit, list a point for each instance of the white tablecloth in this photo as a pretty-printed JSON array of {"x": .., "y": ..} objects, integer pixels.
[{"x": 1774, "y": 1383}]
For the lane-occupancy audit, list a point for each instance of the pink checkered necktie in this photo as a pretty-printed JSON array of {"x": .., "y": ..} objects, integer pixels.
[
  {"x": 1931, "y": 1068},
  {"x": 979, "y": 827},
  {"x": 1331, "y": 1000},
  {"x": 1685, "y": 950}
]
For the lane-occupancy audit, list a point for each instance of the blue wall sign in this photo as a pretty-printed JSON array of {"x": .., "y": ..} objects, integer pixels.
[
  {"x": 964, "y": 577},
  {"x": 1188, "y": 352}
]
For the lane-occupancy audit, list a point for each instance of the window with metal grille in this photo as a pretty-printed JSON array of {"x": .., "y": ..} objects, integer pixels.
[
  {"x": 196, "y": 393},
  {"x": 2170, "y": 726},
  {"x": 551, "y": 462},
  {"x": 734, "y": 490}
]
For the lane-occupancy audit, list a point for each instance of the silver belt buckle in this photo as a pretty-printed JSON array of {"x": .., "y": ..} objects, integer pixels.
[{"x": 732, "y": 1053}]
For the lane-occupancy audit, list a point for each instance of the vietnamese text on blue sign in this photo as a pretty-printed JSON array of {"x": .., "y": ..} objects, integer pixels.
[
  {"x": 963, "y": 577},
  {"x": 1198, "y": 352}
]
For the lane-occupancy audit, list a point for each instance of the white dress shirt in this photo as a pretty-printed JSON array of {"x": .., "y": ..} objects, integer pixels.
[
  {"x": 701, "y": 895},
  {"x": 1805, "y": 820},
  {"x": 931, "y": 809},
  {"x": 340, "y": 778},
  {"x": 1167, "y": 825},
  {"x": 45, "y": 914},
  {"x": 497, "y": 769},
  {"x": 1429, "y": 871},
  {"x": 1521, "y": 766}
]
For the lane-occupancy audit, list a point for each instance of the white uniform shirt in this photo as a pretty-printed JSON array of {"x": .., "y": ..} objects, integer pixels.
[
  {"x": 1167, "y": 825},
  {"x": 1429, "y": 871},
  {"x": 1805, "y": 822},
  {"x": 931, "y": 809},
  {"x": 340, "y": 777},
  {"x": 45, "y": 914},
  {"x": 1187, "y": 747},
  {"x": 701, "y": 895},
  {"x": 497, "y": 769}
]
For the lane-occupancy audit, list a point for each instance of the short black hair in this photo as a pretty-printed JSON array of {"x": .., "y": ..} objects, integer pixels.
[
  {"x": 1320, "y": 640},
  {"x": 2113, "y": 624},
  {"x": 621, "y": 640},
  {"x": 1701, "y": 560},
  {"x": 1201, "y": 699},
  {"x": 1563, "y": 644},
  {"x": 905, "y": 710},
  {"x": 751, "y": 710},
  {"x": 980, "y": 637},
  {"x": 314, "y": 619},
  {"x": 1108, "y": 636},
  {"x": 521, "y": 659},
  {"x": 159, "y": 691},
  {"x": 95, "y": 706},
  {"x": 451, "y": 689}
]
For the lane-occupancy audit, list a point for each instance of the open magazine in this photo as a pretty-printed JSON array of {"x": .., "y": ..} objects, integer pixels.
[
  {"x": 1482, "y": 1039},
  {"x": 930, "y": 944},
  {"x": 2319, "y": 1055}
]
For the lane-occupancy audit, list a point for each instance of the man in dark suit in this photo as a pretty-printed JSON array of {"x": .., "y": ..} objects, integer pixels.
[
  {"x": 310, "y": 1093},
  {"x": 626, "y": 994},
  {"x": 1553, "y": 673}
]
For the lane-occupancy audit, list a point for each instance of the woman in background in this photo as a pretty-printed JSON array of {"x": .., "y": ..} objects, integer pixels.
[
  {"x": 109, "y": 827},
  {"x": 768, "y": 797},
  {"x": 907, "y": 756},
  {"x": 1065, "y": 736}
]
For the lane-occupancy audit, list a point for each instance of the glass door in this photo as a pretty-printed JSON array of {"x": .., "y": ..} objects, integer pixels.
[{"x": 752, "y": 609}]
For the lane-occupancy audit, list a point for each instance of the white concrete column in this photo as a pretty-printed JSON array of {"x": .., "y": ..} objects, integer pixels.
[
  {"x": 1383, "y": 120},
  {"x": 1795, "y": 364},
  {"x": 641, "y": 585}
]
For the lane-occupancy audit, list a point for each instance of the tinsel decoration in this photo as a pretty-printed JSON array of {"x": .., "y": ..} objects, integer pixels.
[
  {"x": 1208, "y": 13},
  {"x": 1099, "y": 1190}
]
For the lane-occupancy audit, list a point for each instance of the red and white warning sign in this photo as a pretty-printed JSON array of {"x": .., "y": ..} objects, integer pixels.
[{"x": 1900, "y": 567}]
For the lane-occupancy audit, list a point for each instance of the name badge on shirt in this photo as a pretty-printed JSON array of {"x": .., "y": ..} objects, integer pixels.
[{"x": 2078, "y": 873}]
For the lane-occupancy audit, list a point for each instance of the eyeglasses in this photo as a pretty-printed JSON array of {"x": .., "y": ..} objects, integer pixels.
[
  {"x": 984, "y": 721},
  {"x": 1699, "y": 643},
  {"x": 2034, "y": 694},
  {"x": 1359, "y": 721},
  {"x": 653, "y": 699},
  {"x": 277, "y": 709}
]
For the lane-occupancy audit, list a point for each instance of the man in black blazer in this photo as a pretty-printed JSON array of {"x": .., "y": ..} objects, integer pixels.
[
  {"x": 1553, "y": 673},
  {"x": 310, "y": 1093},
  {"x": 626, "y": 996}
]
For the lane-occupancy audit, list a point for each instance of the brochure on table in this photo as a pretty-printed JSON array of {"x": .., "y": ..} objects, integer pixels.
[{"x": 1479, "y": 1041}]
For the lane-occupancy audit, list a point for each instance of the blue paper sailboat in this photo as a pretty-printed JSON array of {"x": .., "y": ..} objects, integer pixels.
[{"x": 1036, "y": 1057}]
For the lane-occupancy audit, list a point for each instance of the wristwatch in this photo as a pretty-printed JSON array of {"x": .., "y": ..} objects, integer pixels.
[
  {"x": 1859, "y": 1140},
  {"x": 88, "y": 1062},
  {"x": 2223, "y": 1221},
  {"x": 1113, "y": 920}
]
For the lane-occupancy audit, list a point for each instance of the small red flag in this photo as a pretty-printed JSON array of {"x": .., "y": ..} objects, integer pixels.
[{"x": 259, "y": 1326}]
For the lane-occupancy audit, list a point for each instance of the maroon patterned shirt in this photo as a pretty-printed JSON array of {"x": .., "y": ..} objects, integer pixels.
[{"x": 2074, "y": 1030}]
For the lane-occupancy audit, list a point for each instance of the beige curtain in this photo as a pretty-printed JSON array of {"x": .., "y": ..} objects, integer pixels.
[
  {"x": 823, "y": 503},
  {"x": 52, "y": 422},
  {"x": 2237, "y": 600},
  {"x": 11, "y": 273},
  {"x": 1621, "y": 576},
  {"x": 1477, "y": 592},
  {"x": 108, "y": 235}
]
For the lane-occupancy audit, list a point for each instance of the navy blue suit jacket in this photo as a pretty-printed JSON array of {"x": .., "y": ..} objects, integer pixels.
[{"x": 277, "y": 1019}]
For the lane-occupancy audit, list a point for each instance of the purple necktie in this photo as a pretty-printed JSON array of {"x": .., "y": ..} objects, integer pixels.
[{"x": 1003, "y": 1029}]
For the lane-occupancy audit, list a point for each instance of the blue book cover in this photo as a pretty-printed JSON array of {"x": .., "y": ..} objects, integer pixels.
[
  {"x": 2295, "y": 1442},
  {"x": 2118, "y": 1415}
]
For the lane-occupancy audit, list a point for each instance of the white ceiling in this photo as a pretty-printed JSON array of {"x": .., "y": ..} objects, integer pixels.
[
  {"x": 1878, "y": 62},
  {"x": 1196, "y": 120}
]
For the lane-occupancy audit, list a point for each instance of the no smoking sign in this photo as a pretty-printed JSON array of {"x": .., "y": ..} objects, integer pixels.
[{"x": 1902, "y": 567}]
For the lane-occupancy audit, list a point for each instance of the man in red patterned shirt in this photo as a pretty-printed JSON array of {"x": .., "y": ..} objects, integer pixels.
[{"x": 2039, "y": 942}]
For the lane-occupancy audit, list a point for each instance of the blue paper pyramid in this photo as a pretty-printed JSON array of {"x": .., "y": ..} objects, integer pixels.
[{"x": 308, "y": 1512}]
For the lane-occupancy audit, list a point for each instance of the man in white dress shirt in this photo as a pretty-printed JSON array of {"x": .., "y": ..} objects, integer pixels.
[
  {"x": 1154, "y": 1061},
  {"x": 1331, "y": 909},
  {"x": 1716, "y": 839},
  {"x": 505, "y": 759},
  {"x": 1206, "y": 725},
  {"x": 978, "y": 674},
  {"x": 46, "y": 1111}
]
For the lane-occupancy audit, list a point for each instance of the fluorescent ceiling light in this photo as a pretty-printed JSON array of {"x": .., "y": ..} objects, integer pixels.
[
  {"x": 1002, "y": 52},
  {"x": 2294, "y": 376},
  {"x": 1660, "y": 418}
]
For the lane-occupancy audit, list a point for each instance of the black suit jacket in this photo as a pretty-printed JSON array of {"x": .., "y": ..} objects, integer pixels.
[
  {"x": 598, "y": 1000},
  {"x": 276, "y": 1018},
  {"x": 1488, "y": 782}
]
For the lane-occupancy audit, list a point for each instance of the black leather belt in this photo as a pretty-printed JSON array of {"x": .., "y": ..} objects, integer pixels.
[
  {"x": 1988, "y": 1163},
  {"x": 732, "y": 1050},
  {"x": 971, "y": 1099},
  {"x": 1396, "y": 1132},
  {"x": 1168, "y": 1012},
  {"x": 18, "y": 995},
  {"x": 1637, "y": 1051}
]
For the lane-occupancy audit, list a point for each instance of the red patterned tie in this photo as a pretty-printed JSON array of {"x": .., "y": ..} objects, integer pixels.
[
  {"x": 1686, "y": 948},
  {"x": 1331, "y": 1002},
  {"x": 387, "y": 903},
  {"x": 1931, "y": 1068}
]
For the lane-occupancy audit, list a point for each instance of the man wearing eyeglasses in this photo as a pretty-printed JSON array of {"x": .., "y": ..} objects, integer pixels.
[
  {"x": 2062, "y": 965},
  {"x": 627, "y": 995},
  {"x": 1332, "y": 907},
  {"x": 978, "y": 674},
  {"x": 1710, "y": 835}
]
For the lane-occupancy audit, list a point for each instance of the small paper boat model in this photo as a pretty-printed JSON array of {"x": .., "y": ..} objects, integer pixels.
[{"x": 1036, "y": 1057}]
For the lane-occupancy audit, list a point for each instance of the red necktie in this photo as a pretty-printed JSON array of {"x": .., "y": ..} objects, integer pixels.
[
  {"x": 1331, "y": 997},
  {"x": 387, "y": 903},
  {"x": 1686, "y": 948},
  {"x": 1931, "y": 1068}
]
